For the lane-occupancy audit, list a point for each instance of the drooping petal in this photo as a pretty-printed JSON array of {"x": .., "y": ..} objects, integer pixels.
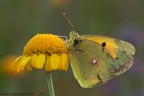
[
  {"x": 16, "y": 62},
  {"x": 18, "y": 67},
  {"x": 23, "y": 61},
  {"x": 66, "y": 67},
  {"x": 48, "y": 63},
  {"x": 28, "y": 66},
  {"x": 33, "y": 60},
  {"x": 65, "y": 61},
  {"x": 55, "y": 60},
  {"x": 40, "y": 61}
]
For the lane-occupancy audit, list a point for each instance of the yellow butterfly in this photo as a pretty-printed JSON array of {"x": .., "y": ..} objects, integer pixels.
[{"x": 96, "y": 59}]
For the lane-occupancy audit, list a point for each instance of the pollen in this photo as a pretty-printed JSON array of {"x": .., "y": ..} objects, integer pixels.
[{"x": 45, "y": 44}]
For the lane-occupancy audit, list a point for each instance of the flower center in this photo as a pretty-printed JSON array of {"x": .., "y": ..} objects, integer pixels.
[{"x": 46, "y": 44}]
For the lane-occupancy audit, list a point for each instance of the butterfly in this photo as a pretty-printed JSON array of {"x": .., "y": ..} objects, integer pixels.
[{"x": 96, "y": 59}]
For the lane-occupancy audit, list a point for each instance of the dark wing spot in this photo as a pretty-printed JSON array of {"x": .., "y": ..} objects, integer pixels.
[
  {"x": 103, "y": 44},
  {"x": 117, "y": 58}
]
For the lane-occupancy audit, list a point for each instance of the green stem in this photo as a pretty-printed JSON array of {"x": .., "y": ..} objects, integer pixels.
[{"x": 50, "y": 84}]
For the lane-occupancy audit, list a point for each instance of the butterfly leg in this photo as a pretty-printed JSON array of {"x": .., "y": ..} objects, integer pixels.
[{"x": 66, "y": 39}]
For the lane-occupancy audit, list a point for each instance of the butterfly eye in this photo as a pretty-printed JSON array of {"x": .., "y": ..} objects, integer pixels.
[
  {"x": 95, "y": 61},
  {"x": 76, "y": 41}
]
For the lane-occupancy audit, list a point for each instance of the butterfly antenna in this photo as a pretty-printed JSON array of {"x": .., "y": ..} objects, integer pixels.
[{"x": 67, "y": 18}]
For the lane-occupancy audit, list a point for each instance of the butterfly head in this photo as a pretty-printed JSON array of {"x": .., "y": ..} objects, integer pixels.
[{"x": 72, "y": 38}]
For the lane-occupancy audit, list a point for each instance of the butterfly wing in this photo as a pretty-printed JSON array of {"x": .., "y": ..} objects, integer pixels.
[
  {"x": 111, "y": 43},
  {"x": 96, "y": 59}
]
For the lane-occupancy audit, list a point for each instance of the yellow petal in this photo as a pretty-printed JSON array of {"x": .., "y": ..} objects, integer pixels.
[
  {"x": 15, "y": 64},
  {"x": 66, "y": 67},
  {"x": 60, "y": 64},
  {"x": 65, "y": 61},
  {"x": 29, "y": 67},
  {"x": 40, "y": 61},
  {"x": 18, "y": 67},
  {"x": 33, "y": 60},
  {"x": 48, "y": 63},
  {"x": 24, "y": 60},
  {"x": 55, "y": 60}
]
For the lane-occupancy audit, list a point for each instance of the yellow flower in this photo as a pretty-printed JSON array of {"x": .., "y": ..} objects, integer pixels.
[{"x": 43, "y": 50}]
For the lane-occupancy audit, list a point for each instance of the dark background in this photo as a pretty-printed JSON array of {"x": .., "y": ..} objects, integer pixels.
[{"x": 22, "y": 19}]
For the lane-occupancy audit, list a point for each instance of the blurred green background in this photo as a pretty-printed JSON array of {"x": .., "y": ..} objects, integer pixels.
[{"x": 22, "y": 19}]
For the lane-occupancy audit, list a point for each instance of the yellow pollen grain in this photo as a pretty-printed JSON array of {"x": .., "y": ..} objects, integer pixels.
[{"x": 45, "y": 44}]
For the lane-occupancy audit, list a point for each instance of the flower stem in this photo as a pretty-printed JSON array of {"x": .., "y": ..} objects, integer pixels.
[{"x": 50, "y": 84}]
